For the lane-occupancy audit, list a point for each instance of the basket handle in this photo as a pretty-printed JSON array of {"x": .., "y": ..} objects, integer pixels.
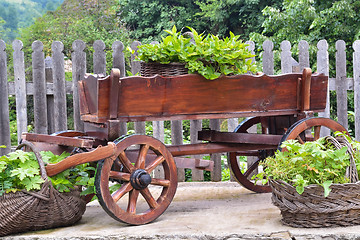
[
  {"x": 32, "y": 147},
  {"x": 340, "y": 142}
]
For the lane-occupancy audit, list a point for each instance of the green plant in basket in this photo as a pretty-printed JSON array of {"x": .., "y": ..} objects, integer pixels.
[
  {"x": 207, "y": 55},
  {"x": 80, "y": 175},
  {"x": 20, "y": 170},
  {"x": 314, "y": 162}
]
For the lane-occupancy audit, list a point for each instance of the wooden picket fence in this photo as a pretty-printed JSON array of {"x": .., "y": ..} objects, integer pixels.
[{"x": 49, "y": 88}]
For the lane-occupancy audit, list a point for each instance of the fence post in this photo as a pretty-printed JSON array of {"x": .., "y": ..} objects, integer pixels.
[
  {"x": 158, "y": 133},
  {"x": 177, "y": 139},
  {"x": 4, "y": 106},
  {"x": 341, "y": 83},
  {"x": 195, "y": 127},
  {"x": 135, "y": 68},
  {"x": 216, "y": 158},
  {"x": 59, "y": 85},
  {"x": 99, "y": 60},
  {"x": 50, "y": 98},
  {"x": 356, "y": 64},
  {"x": 304, "y": 61},
  {"x": 119, "y": 62},
  {"x": 268, "y": 57},
  {"x": 286, "y": 58},
  {"x": 78, "y": 57},
  {"x": 323, "y": 67},
  {"x": 40, "y": 106},
  {"x": 20, "y": 88},
  {"x": 118, "y": 57}
]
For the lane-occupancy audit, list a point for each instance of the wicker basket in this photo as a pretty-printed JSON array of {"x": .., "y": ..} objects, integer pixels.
[
  {"x": 37, "y": 210},
  {"x": 311, "y": 209},
  {"x": 171, "y": 69}
]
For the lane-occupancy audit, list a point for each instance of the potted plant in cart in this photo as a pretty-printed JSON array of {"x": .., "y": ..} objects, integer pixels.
[
  {"x": 207, "y": 55},
  {"x": 315, "y": 184}
]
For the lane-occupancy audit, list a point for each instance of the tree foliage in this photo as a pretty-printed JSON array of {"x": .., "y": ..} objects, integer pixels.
[
  {"x": 21, "y": 14},
  {"x": 237, "y": 16},
  {"x": 86, "y": 20},
  {"x": 311, "y": 21},
  {"x": 146, "y": 19}
]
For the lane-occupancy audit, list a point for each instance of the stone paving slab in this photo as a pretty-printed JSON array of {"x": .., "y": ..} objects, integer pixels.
[{"x": 222, "y": 210}]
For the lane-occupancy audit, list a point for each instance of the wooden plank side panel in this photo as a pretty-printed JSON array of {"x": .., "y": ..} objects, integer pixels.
[
  {"x": 194, "y": 97},
  {"x": 318, "y": 92},
  {"x": 192, "y": 94},
  {"x": 103, "y": 98},
  {"x": 83, "y": 104},
  {"x": 90, "y": 91},
  {"x": 142, "y": 96}
]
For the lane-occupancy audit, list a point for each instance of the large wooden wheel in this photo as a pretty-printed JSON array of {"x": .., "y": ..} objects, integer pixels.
[
  {"x": 309, "y": 129},
  {"x": 139, "y": 197},
  {"x": 242, "y": 173}
]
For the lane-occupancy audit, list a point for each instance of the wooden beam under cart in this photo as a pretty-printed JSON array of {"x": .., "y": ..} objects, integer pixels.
[
  {"x": 210, "y": 148},
  {"x": 180, "y": 162},
  {"x": 246, "y": 138},
  {"x": 59, "y": 140}
]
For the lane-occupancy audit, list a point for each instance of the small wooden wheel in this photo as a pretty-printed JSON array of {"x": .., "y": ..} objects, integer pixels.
[
  {"x": 139, "y": 197},
  {"x": 244, "y": 178},
  {"x": 308, "y": 129}
]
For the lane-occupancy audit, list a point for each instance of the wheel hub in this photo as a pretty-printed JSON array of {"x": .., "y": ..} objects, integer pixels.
[{"x": 140, "y": 179}]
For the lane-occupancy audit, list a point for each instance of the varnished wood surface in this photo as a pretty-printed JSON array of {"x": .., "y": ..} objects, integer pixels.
[
  {"x": 100, "y": 152},
  {"x": 193, "y": 97},
  {"x": 59, "y": 140}
]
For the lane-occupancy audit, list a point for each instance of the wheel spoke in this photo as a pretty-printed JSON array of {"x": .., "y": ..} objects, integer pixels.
[
  {"x": 160, "y": 182},
  {"x": 120, "y": 176},
  {"x": 300, "y": 139},
  {"x": 118, "y": 163},
  {"x": 251, "y": 169},
  {"x": 133, "y": 196},
  {"x": 121, "y": 192},
  {"x": 149, "y": 198},
  {"x": 126, "y": 162},
  {"x": 140, "y": 162},
  {"x": 154, "y": 164},
  {"x": 317, "y": 132}
]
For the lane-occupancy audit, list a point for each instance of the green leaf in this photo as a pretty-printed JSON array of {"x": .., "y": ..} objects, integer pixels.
[
  {"x": 33, "y": 183},
  {"x": 3, "y": 165},
  {"x": 19, "y": 155},
  {"x": 327, "y": 189},
  {"x": 89, "y": 190},
  {"x": 300, "y": 189}
]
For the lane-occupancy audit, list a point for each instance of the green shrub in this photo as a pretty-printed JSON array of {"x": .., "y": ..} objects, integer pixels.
[{"x": 207, "y": 55}]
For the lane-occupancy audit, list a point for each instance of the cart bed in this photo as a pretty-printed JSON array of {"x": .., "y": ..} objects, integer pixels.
[{"x": 192, "y": 96}]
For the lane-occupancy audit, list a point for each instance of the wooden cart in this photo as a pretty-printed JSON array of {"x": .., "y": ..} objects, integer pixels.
[{"x": 283, "y": 106}]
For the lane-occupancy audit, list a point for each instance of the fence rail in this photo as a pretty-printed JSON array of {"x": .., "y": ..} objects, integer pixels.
[{"x": 49, "y": 88}]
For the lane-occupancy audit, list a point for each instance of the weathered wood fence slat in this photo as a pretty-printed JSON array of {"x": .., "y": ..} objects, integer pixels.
[{"x": 49, "y": 88}]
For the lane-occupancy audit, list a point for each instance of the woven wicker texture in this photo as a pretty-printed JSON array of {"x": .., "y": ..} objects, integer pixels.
[
  {"x": 36, "y": 210},
  {"x": 171, "y": 69},
  {"x": 311, "y": 209}
]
